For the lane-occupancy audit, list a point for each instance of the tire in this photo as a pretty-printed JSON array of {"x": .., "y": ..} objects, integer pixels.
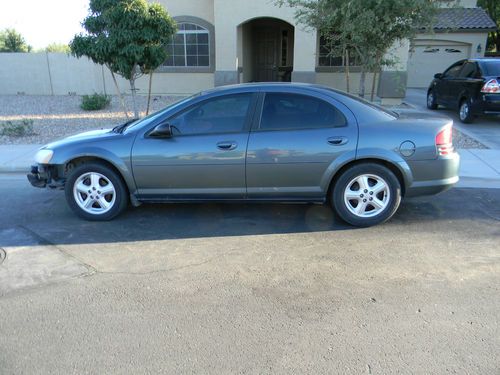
[
  {"x": 357, "y": 183},
  {"x": 432, "y": 100},
  {"x": 464, "y": 111},
  {"x": 101, "y": 206}
]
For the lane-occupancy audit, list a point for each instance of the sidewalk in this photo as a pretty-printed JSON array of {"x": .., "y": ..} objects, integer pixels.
[{"x": 478, "y": 168}]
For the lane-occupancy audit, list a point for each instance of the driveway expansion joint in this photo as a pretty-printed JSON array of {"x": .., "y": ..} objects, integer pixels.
[
  {"x": 44, "y": 241},
  {"x": 3, "y": 255}
]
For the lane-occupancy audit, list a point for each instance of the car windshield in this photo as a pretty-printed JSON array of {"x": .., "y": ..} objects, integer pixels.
[
  {"x": 491, "y": 68},
  {"x": 155, "y": 115}
]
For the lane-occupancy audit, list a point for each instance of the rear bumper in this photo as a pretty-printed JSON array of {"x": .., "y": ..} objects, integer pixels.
[
  {"x": 434, "y": 176},
  {"x": 488, "y": 104}
]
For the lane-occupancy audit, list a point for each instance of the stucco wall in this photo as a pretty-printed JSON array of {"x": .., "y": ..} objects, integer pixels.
[
  {"x": 198, "y": 8},
  {"x": 338, "y": 81},
  {"x": 60, "y": 74},
  {"x": 230, "y": 14}
]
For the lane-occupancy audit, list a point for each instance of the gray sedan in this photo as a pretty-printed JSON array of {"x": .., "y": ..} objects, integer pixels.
[{"x": 253, "y": 143}]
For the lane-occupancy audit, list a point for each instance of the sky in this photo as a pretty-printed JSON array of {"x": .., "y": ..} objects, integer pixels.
[{"x": 42, "y": 22}]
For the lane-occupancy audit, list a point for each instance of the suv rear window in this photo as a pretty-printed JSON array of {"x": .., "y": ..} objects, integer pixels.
[{"x": 491, "y": 68}]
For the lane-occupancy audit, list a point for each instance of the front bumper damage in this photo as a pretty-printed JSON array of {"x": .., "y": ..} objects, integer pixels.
[{"x": 42, "y": 176}]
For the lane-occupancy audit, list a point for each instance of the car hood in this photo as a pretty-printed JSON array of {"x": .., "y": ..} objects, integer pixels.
[{"x": 92, "y": 135}]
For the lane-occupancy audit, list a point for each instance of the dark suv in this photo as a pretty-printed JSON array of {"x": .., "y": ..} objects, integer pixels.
[{"x": 470, "y": 86}]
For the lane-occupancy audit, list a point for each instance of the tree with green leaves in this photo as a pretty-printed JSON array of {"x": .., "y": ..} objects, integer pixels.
[
  {"x": 128, "y": 36},
  {"x": 364, "y": 29},
  {"x": 493, "y": 9},
  {"x": 12, "y": 41},
  {"x": 57, "y": 47}
]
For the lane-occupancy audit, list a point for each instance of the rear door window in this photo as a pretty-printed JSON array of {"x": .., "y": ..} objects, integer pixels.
[
  {"x": 469, "y": 70},
  {"x": 295, "y": 111}
]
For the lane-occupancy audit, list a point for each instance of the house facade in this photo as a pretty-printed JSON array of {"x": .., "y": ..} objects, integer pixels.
[{"x": 236, "y": 41}]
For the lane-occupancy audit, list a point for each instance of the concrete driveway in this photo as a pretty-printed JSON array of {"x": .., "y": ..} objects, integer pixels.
[
  {"x": 484, "y": 129},
  {"x": 262, "y": 289}
]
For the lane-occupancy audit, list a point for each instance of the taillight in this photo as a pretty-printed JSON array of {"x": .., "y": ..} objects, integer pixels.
[
  {"x": 491, "y": 87},
  {"x": 444, "y": 141}
]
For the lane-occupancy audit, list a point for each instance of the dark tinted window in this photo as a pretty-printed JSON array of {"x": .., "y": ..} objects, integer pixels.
[
  {"x": 292, "y": 111},
  {"x": 491, "y": 68},
  {"x": 453, "y": 70},
  {"x": 226, "y": 114},
  {"x": 469, "y": 70}
]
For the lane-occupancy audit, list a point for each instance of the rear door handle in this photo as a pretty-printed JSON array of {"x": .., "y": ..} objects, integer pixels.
[
  {"x": 227, "y": 146},
  {"x": 337, "y": 141}
]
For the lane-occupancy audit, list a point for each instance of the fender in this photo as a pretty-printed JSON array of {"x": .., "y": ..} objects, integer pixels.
[
  {"x": 63, "y": 156},
  {"x": 391, "y": 157}
]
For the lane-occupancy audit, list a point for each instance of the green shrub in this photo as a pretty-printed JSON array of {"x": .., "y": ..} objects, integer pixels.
[
  {"x": 19, "y": 128},
  {"x": 95, "y": 102}
]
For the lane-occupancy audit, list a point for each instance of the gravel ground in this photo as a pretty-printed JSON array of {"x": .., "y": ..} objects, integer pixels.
[{"x": 60, "y": 116}]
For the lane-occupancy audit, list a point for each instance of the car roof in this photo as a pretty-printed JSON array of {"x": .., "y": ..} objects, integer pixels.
[
  {"x": 355, "y": 104},
  {"x": 258, "y": 86},
  {"x": 481, "y": 59}
]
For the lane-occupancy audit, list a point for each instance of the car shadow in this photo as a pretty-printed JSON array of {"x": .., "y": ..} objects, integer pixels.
[{"x": 151, "y": 222}]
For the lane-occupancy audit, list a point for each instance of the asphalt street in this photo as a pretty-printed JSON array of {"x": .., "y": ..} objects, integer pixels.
[{"x": 249, "y": 288}]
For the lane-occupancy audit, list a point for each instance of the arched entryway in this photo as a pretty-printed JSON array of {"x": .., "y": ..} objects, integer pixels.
[{"x": 265, "y": 50}]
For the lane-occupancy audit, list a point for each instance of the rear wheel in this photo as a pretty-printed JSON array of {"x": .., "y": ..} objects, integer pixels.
[
  {"x": 464, "y": 111},
  {"x": 432, "y": 100},
  {"x": 366, "y": 194},
  {"x": 96, "y": 192}
]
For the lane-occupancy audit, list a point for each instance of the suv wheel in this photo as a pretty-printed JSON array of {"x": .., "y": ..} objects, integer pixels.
[
  {"x": 95, "y": 192},
  {"x": 432, "y": 100},
  {"x": 366, "y": 194},
  {"x": 464, "y": 111}
]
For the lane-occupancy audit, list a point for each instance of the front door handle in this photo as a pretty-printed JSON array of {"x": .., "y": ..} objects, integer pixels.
[
  {"x": 227, "y": 146},
  {"x": 337, "y": 141}
]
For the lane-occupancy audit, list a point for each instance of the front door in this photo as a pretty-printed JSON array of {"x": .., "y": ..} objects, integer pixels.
[
  {"x": 297, "y": 139},
  {"x": 266, "y": 56},
  {"x": 205, "y": 157}
]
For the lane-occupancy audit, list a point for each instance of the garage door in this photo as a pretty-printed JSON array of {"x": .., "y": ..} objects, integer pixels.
[{"x": 426, "y": 60}]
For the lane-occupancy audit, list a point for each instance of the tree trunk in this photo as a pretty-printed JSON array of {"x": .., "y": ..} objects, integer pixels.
[
  {"x": 120, "y": 96},
  {"x": 362, "y": 81},
  {"x": 134, "y": 101},
  {"x": 347, "y": 77},
  {"x": 373, "y": 85},
  {"x": 149, "y": 92}
]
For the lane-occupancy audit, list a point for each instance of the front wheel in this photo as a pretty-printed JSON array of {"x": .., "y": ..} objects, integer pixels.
[
  {"x": 432, "y": 100},
  {"x": 366, "y": 194},
  {"x": 95, "y": 192}
]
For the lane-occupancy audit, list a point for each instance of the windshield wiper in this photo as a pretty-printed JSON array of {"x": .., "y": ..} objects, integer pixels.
[{"x": 122, "y": 127}]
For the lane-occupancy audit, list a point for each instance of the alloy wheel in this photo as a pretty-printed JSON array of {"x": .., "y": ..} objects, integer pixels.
[
  {"x": 464, "y": 111},
  {"x": 367, "y": 195},
  {"x": 430, "y": 99},
  {"x": 94, "y": 193}
]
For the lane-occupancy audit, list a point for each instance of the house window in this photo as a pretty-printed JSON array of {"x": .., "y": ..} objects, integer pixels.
[
  {"x": 328, "y": 59},
  {"x": 189, "y": 47}
]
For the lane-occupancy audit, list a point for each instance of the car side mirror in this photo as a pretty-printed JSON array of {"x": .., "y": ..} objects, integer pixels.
[
  {"x": 162, "y": 131},
  {"x": 438, "y": 75}
]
